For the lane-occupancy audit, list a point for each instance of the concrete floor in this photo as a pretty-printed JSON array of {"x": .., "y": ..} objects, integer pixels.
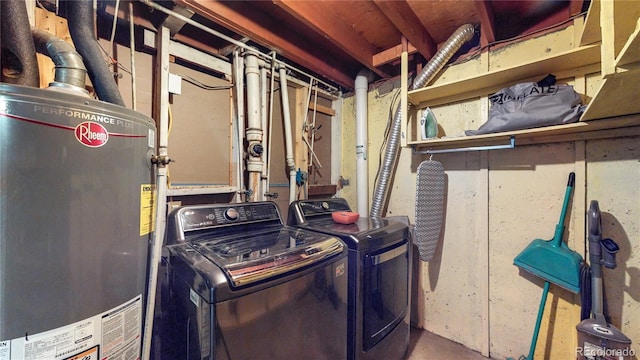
[{"x": 424, "y": 345}]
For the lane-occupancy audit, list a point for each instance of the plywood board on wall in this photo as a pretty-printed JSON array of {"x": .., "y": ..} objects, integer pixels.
[{"x": 200, "y": 131}]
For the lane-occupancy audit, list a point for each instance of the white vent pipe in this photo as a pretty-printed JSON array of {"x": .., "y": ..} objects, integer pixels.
[
  {"x": 362, "y": 140},
  {"x": 381, "y": 192},
  {"x": 254, "y": 126},
  {"x": 288, "y": 138}
]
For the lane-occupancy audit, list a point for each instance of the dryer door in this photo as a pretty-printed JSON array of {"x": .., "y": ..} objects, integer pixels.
[{"x": 385, "y": 292}]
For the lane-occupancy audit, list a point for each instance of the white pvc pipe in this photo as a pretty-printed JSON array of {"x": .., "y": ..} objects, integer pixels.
[
  {"x": 270, "y": 131},
  {"x": 238, "y": 81},
  {"x": 132, "y": 48},
  {"x": 254, "y": 128},
  {"x": 288, "y": 138},
  {"x": 263, "y": 117},
  {"x": 362, "y": 175}
]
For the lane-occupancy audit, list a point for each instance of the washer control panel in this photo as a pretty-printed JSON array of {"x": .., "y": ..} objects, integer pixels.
[{"x": 207, "y": 216}]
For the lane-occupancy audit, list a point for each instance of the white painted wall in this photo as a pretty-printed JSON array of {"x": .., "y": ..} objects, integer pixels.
[{"x": 497, "y": 202}]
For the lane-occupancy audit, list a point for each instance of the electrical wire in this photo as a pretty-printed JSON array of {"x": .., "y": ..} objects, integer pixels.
[{"x": 202, "y": 85}]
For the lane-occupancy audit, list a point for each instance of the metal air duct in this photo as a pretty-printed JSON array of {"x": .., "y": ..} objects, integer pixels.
[
  {"x": 70, "y": 73},
  {"x": 381, "y": 192}
]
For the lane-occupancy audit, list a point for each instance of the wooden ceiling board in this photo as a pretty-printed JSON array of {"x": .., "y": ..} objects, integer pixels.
[
  {"x": 443, "y": 17},
  {"x": 366, "y": 19}
]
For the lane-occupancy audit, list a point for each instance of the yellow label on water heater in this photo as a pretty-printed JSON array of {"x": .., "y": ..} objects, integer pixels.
[{"x": 147, "y": 208}]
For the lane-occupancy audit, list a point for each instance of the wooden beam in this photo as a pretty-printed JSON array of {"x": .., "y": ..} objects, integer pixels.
[
  {"x": 487, "y": 22},
  {"x": 319, "y": 18},
  {"x": 575, "y": 7},
  {"x": 261, "y": 31},
  {"x": 392, "y": 54},
  {"x": 322, "y": 109},
  {"x": 403, "y": 17}
]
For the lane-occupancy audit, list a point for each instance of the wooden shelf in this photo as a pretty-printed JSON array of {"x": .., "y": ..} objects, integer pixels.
[
  {"x": 619, "y": 89},
  {"x": 611, "y": 48},
  {"x": 495, "y": 80},
  {"x": 582, "y": 130}
]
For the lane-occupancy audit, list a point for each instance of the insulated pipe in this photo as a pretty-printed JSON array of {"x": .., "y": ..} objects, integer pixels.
[
  {"x": 22, "y": 67},
  {"x": 70, "y": 73},
  {"x": 80, "y": 18},
  {"x": 362, "y": 176},
  {"x": 254, "y": 128},
  {"x": 288, "y": 138},
  {"x": 381, "y": 192}
]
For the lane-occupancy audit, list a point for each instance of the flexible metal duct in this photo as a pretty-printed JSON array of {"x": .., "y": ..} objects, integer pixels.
[
  {"x": 80, "y": 18},
  {"x": 381, "y": 192},
  {"x": 70, "y": 72},
  {"x": 19, "y": 63}
]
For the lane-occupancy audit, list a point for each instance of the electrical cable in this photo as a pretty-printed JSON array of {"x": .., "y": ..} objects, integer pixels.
[{"x": 202, "y": 85}]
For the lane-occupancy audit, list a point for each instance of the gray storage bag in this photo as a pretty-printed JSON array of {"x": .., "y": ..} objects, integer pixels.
[{"x": 529, "y": 105}]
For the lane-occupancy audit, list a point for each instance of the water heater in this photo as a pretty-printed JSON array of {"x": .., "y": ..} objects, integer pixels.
[{"x": 77, "y": 206}]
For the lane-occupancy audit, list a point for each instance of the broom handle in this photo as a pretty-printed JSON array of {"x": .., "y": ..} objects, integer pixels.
[
  {"x": 536, "y": 330},
  {"x": 557, "y": 237}
]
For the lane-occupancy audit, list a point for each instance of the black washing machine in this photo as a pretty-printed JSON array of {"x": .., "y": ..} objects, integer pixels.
[
  {"x": 244, "y": 286},
  {"x": 379, "y": 253}
]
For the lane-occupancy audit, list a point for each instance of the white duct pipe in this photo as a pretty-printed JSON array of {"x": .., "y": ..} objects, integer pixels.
[
  {"x": 263, "y": 116},
  {"x": 254, "y": 128},
  {"x": 288, "y": 138},
  {"x": 362, "y": 171}
]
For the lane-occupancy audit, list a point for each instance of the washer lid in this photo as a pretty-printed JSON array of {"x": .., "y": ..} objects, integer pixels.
[{"x": 254, "y": 256}]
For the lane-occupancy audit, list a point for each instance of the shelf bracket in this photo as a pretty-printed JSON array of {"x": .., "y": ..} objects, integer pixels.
[{"x": 510, "y": 145}]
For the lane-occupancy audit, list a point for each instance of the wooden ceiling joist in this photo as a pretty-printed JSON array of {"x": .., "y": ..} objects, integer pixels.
[
  {"x": 403, "y": 18},
  {"x": 327, "y": 24},
  {"x": 487, "y": 22},
  {"x": 261, "y": 32}
]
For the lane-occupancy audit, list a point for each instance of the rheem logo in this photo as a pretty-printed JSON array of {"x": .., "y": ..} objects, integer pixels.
[{"x": 91, "y": 134}]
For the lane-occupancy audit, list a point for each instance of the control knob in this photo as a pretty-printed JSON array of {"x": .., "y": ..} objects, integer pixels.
[{"x": 231, "y": 214}]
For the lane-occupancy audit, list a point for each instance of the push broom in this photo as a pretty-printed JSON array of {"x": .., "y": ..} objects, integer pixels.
[{"x": 553, "y": 261}]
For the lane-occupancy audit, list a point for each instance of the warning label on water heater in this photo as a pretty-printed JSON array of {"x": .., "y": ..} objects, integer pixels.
[
  {"x": 147, "y": 208},
  {"x": 112, "y": 335}
]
